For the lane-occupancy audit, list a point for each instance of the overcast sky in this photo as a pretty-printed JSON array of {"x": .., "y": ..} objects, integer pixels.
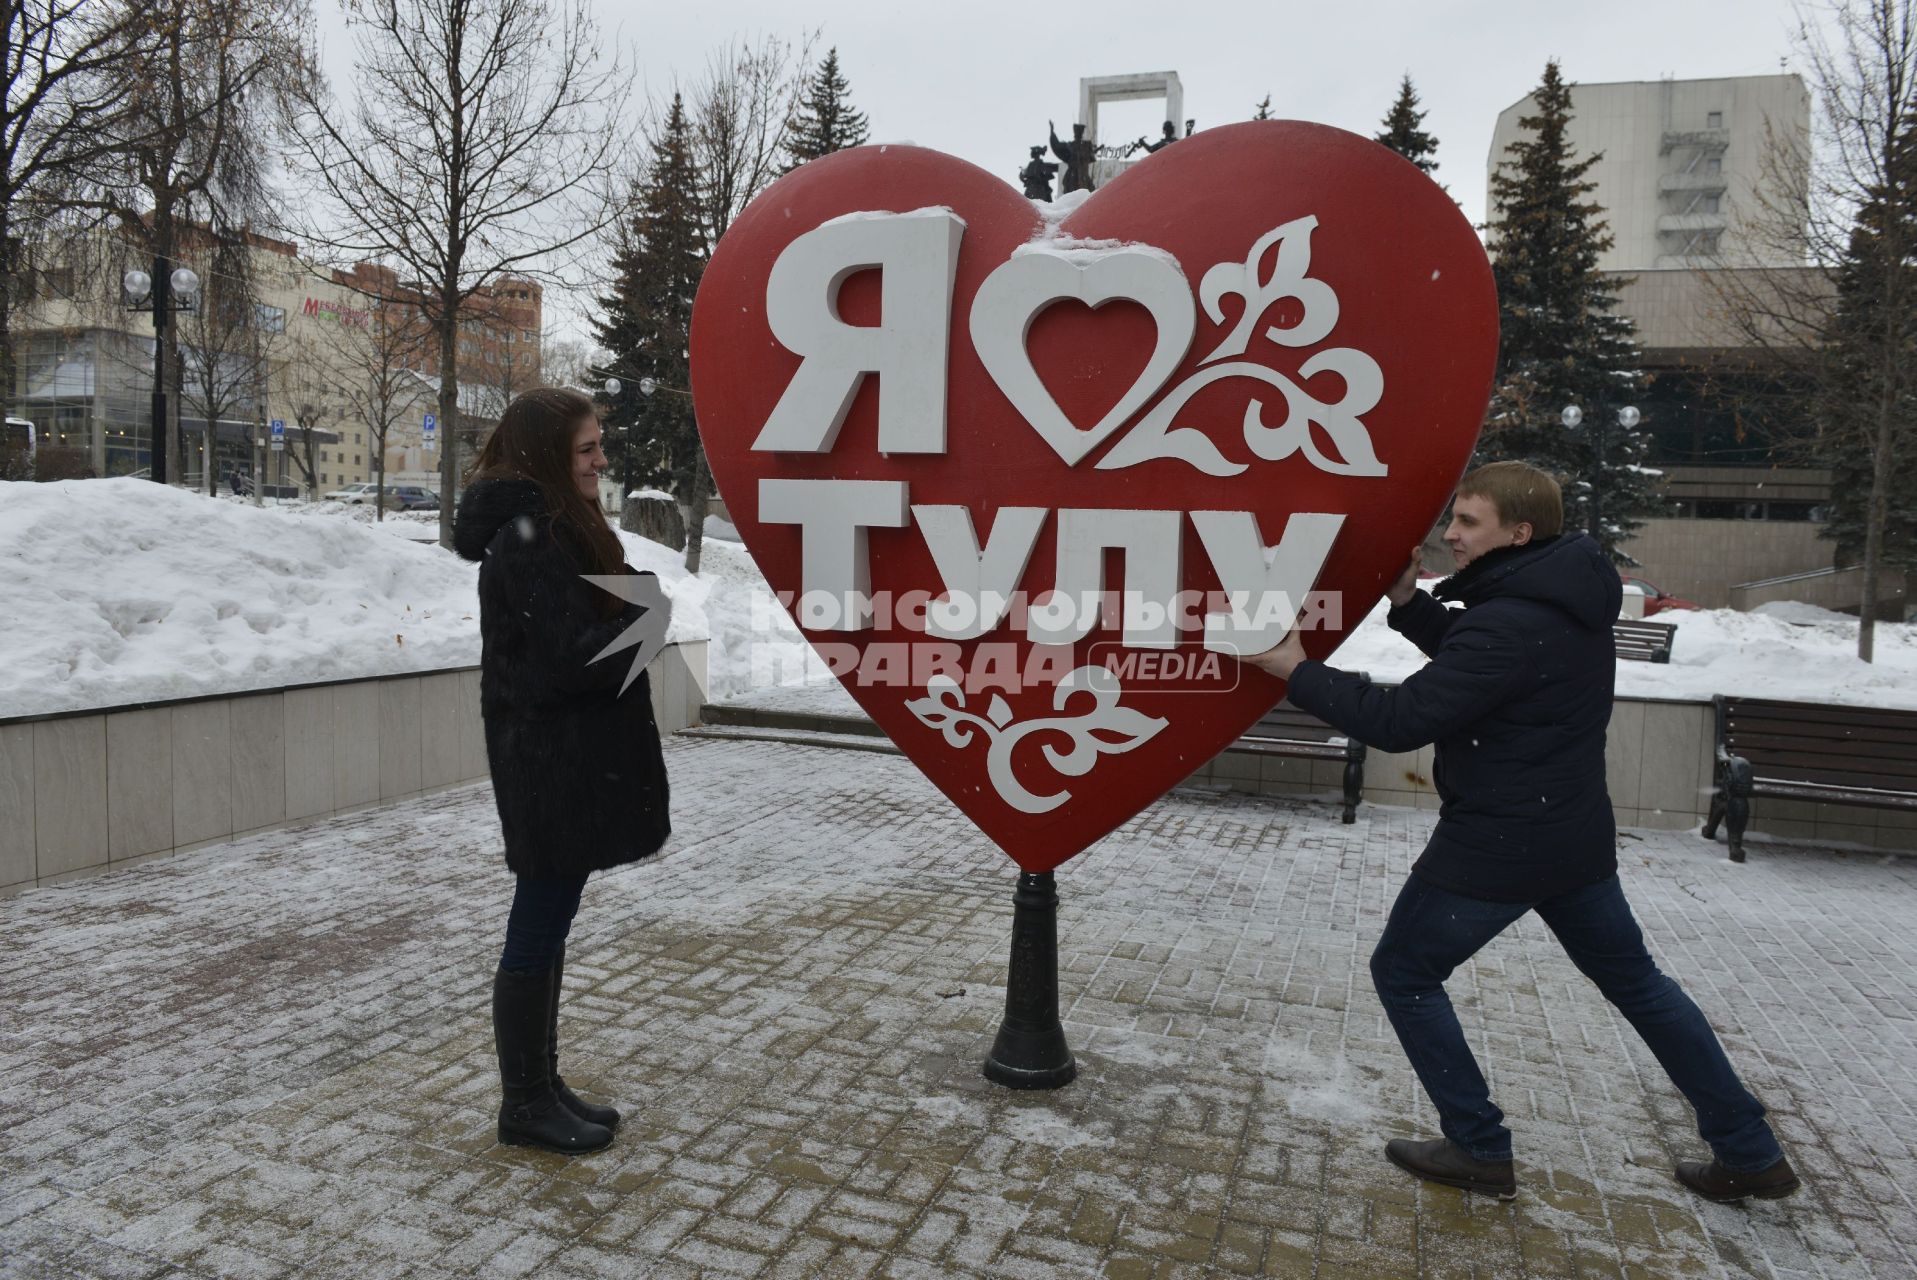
[{"x": 980, "y": 78}]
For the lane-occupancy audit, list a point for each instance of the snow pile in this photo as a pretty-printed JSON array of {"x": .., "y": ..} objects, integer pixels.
[
  {"x": 754, "y": 643},
  {"x": 124, "y": 591},
  {"x": 1715, "y": 651},
  {"x": 1805, "y": 614},
  {"x": 418, "y": 526}
]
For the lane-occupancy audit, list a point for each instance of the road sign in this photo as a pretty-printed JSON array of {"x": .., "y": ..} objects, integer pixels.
[
  {"x": 429, "y": 437},
  {"x": 279, "y": 433}
]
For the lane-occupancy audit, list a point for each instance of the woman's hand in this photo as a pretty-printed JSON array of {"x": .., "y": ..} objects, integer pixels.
[
  {"x": 1280, "y": 660},
  {"x": 1407, "y": 584}
]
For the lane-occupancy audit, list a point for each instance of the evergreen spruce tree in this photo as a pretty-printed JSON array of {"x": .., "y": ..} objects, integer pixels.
[
  {"x": 1403, "y": 132},
  {"x": 1263, "y": 111},
  {"x": 1561, "y": 341},
  {"x": 646, "y": 324},
  {"x": 825, "y": 121},
  {"x": 1866, "y": 406}
]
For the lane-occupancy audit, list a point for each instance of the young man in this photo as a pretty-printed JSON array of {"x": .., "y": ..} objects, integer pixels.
[{"x": 1517, "y": 696}]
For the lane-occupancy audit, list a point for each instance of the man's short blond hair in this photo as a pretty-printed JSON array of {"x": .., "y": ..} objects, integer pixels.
[{"x": 1521, "y": 493}]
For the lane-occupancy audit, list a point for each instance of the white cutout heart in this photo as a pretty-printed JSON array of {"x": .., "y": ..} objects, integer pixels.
[{"x": 1035, "y": 277}]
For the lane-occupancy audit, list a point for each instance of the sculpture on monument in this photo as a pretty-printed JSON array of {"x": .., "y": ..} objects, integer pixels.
[
  {"x": 1171, "y": 136},
  {"x": 1037, "y": 176},
  {"x": 1078, "y": 155}
]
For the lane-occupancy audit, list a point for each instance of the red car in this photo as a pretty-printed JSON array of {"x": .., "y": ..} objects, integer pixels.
[{"x": 1656, "y": 601}]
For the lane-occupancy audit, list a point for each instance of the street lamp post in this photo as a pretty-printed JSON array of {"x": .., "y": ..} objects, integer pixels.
[
  {"x": 620, "y": 395},
  {"x": 259, "y": 443},
  {"x": 1627, "y": 418},
  {"x": 166, "y": 290}
]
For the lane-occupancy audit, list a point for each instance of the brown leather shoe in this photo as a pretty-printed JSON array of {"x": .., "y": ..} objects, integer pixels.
[
  {"x": 1443, "y": 1161},
  {"x": 1722, "y": 1186}
]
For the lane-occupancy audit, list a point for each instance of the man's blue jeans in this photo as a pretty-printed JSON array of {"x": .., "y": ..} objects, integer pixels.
[{"x": 1432, "y": 931}]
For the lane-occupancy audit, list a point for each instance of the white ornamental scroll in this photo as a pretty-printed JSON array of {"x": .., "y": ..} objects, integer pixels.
[
  {"x": 1095, "y": 272},
  {"x": 944, "y": 709}
]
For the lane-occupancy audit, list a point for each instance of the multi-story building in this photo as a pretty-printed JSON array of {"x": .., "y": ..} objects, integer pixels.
[
  {"x": 302, "y": 356},
  {"x": 1691, "y": 175},
  {"x": 385, "y": 332},
  {"x": 1675, "y": 160}
]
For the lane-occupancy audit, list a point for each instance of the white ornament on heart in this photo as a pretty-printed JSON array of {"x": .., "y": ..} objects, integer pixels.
[
  {"x": 916, "y": 254},
  {"x": 1095, "y": 273},
  {"x": 1038, "y": 275}
]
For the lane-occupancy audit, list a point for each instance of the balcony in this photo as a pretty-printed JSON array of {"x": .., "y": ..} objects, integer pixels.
[
  {"x": 1707, "y": 183},
  {"x": 1687, "y": 223},
  {"x": 1694, "y": 140}
]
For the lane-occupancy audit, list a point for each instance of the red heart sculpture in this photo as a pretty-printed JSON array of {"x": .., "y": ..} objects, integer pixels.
[{"x": 1273, "y": 334}]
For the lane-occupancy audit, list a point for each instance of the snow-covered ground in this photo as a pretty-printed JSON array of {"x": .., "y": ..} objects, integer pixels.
[
  {"x": 120, "y": 591},
  {"x": 1801, "y": 653}
]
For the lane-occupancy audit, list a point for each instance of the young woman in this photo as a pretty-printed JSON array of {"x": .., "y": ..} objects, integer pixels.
[{"x": 576, "y": 766}]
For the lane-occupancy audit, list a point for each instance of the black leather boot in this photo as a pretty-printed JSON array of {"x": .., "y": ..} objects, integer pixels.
[
  {"x": 1716, "y": 1183},
  {"x": 531, "y": 1114},
  {"x": 1443, "y": 1161},
  {"x": 586, "y": 1111}
]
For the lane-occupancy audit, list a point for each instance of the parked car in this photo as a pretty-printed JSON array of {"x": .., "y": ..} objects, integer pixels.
[
  {"x": 411, "y": 497},
  {"x": 354, "y": 493},
  {"x": 1655, "y": 600}
]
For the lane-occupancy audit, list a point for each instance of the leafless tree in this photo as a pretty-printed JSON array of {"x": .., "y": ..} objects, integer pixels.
[
  {"x": 308, "y": 414},
  {"x": 1861, "y": 61},
  {"x": 196, "y": 115},
  {"x": 741, "y": 109},
  {"x": 565, "y": 362},
  {"x": 480, "y": 140},
  {"x": 376, "y": 365},
  {"x": 502, "y": 372},
  {"x": 227, "y": 341},
  {"x": 65, "y": 110}
]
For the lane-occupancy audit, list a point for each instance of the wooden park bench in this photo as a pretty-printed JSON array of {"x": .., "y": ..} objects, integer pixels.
[
  {"x": 1286, "y": 731},
  {"x": 1644, "y": 641},
  {"x": 1807, "y": 751}
]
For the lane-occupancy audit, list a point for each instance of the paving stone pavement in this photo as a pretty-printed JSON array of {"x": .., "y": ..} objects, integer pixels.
[{"x": 272, "y": 1057}]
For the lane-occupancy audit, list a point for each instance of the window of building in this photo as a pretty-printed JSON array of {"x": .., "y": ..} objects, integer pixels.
[
  {"x": 356, "y": 459},
  {"x": 1714, "y": 164},
  {"x": 56, "y": 282},
  {"x": 1710, "y": 204},
  {"x": 1714, "y": 120},
  {"x": 1743, "y": 509},
  {"x": 525, "y": 335},
  {"x": 270, "y": 319}
]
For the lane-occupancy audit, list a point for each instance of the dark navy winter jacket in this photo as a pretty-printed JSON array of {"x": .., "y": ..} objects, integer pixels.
[{"x": 1516, "y": 698}]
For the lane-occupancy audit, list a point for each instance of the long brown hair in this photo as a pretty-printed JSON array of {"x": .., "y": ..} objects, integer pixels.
[{"x": 534, "y": 441}]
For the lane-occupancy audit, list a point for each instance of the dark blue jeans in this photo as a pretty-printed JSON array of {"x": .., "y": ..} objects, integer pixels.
[
  {"x": 1431, "y": 932},
  {"x": 540, "y": 919}
]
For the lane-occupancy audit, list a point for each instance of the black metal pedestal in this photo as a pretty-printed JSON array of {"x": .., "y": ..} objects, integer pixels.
[{"x": 1030, "y": 1052}]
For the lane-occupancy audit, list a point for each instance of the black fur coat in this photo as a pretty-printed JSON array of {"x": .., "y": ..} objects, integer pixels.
[{"x": 576, "y": 765}]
